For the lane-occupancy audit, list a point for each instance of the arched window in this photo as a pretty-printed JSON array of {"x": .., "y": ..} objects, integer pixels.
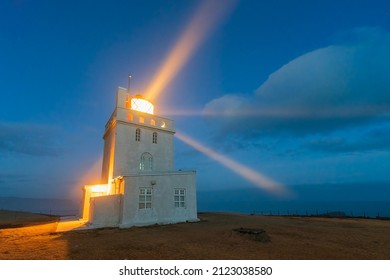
[
  {"x": 138, "y": 134},
  {"x": 146, "y": 162},
  {"x": 154, "y": 137}
]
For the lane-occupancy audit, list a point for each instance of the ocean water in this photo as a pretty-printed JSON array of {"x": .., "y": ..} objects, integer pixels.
[
  {"x": 252, "y": 201},
  {"x": 350, "y": 208}
]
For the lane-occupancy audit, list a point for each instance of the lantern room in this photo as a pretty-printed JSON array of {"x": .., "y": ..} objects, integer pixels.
[{"x": 140, "y": 104}]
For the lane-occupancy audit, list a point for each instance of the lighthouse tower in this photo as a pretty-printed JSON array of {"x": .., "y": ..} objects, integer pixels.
[
  {"x": 135, "y": 139},
  {"x": 140, "y": 185}
]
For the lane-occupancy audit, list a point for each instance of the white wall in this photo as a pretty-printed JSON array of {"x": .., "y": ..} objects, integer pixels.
[
  {"x": 128, "y": 151},
  {"x": 163, "y": 210},
  {"x": 105, "y": 211}
]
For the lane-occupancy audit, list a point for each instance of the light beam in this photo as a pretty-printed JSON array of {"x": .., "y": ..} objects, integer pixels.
[
  {"x": 206, "y": 18},
  {"x": 247, "y": 173}
]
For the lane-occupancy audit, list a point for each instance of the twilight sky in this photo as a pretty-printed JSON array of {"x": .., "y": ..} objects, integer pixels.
[{"x": 298, "y": 91}]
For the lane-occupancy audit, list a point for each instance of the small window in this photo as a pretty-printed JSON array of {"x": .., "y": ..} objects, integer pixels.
[
  {"x": 180, "y": 198},
  {"x": 141, "y": 119},
  {"x": 152, "y": 122},
  {"x": 127, "y": 103},
  {"x": 145, "y": 198},
  {"x": 138, "y": 135},
  {"x": 130, "y": 117},
  {"x": 154, "y": 137},
  {"x": 162, "y": 124}
]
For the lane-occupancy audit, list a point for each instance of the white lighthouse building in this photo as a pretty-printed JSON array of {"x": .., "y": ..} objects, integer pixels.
[{"x": 141, "y": 186}]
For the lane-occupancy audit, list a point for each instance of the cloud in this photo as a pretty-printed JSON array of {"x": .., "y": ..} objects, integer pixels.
[
  {"x": 28, "y": 139},
  {"x": 329, "y": 89}
]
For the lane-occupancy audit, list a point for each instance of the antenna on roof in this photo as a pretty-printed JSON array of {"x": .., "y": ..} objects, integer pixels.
[{"x": 128, "y": 84}]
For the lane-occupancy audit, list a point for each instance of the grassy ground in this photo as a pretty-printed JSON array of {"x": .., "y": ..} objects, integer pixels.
[{"x": 211, "y": 238}]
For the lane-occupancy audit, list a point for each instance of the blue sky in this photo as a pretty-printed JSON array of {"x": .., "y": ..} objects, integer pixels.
[{"x": 296, "y": 90}]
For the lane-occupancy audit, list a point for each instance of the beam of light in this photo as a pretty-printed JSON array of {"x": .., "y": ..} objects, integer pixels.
[
  {"x": 254, "y": 107},
  {"x": 251, "y": 175},
  {"x": 207, "y": 17},
  {"x": 181, "y": 112},
  {"x": 302, "y": 113},
  {"x": 91, "y": 176},
  {"x": 299, "y": 113}
]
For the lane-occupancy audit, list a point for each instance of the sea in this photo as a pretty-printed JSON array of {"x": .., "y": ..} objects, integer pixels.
[{"x": 254, "y": 201}]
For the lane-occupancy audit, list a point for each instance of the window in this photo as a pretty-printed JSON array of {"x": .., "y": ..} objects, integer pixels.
[
  {"x": 130, "y": 117},
  {"x": 145, "y": 198},
  {"x": 146, "y": 162},
  {"x": 127, "y": 103},
  {"x": 138, "y": 135},
  {"x": 141, "y": 119},
  {"x": 154, "y": 137},
  {"x": 152, "y": 122},
  {"x": 180, "y": 198}
]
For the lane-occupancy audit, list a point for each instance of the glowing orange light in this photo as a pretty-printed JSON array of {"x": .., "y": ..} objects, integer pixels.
[
  {"x": 249, "y": 174},
  {"x": 102, "y": 188},
  {"x": 142, "y": 105},
  {"x": 207, "y": 17},
  {"x": 127, "y": 103},
  {"x": 93, "y": 191}
]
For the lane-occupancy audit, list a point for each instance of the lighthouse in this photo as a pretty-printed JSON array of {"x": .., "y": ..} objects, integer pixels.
[{"x": 140, "y": 185}]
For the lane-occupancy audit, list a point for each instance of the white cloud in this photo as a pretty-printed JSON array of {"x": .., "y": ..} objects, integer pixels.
[{"x": 332, "y": 88}]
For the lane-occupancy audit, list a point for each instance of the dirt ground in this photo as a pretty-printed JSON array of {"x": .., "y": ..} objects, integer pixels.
[{"x": 211, "y": 238}]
